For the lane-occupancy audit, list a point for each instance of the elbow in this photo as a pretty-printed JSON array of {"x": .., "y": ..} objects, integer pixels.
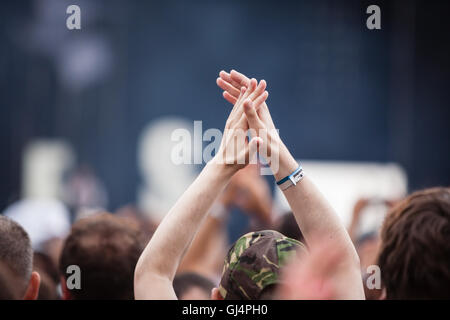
[
  {"x": 352, "y": 257},
  {"x": 146, "y": 275}
]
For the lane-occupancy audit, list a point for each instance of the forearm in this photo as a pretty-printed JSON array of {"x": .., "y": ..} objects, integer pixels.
[
  {"x": 165, "y": 250},
  {"x": 312, "y": 211},
  {"x": 319, "y": 222},
  {"x": 352, "y": 229},
  {"x": 202, "y": 246}
]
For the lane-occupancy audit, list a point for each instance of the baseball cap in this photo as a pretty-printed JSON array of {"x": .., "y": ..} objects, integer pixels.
[{"x": 253, "y": 263}]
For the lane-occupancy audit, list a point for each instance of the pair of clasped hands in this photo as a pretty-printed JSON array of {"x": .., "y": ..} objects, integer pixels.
[{"x": 250, "y": 111}]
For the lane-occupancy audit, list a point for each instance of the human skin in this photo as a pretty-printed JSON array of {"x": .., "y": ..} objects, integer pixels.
[
  {"x": 158, "y": 263},
  {"x": 313, "y": 213}
]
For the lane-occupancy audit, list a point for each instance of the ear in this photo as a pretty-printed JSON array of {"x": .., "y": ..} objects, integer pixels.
[
  {"x": 383, "y": 294},
  {"x": 215, "y": 294},
  {"x": 65, "y": 292},
  {"x": 32, "y": 292}
]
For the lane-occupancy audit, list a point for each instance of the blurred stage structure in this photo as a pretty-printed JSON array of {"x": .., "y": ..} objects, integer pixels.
[{"x": 339, "y": 93}]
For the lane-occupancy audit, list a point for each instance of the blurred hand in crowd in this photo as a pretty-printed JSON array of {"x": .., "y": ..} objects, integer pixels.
[
  {"x": 316, "y": 275},
  {"x": 356, "y": 216},
  {"x": 231, "y": 82},
  {"x": 250, "y": 192}
]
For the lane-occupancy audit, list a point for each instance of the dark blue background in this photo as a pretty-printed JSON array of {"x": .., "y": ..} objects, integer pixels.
[{"x": 337, "y": 90}]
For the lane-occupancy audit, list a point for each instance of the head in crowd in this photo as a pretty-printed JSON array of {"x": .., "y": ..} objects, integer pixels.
[
  {"x": 287, "y": 225},
  {"x": 192, "y": 286},
  {"x": 106, "y": 249},
  {"x": 16, "y": 257},
  {"x": 414, "y": 257},
  {"x": 8, "y": 287},
  {"x": 253, "y": 264}
]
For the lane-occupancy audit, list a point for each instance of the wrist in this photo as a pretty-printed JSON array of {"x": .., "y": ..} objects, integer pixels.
[
  {"x": 286, "y": 163},
  {"x": 223, "y": 170}
]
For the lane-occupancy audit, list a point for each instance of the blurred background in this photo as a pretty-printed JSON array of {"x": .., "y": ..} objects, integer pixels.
[{"x": 86, "y": 115}]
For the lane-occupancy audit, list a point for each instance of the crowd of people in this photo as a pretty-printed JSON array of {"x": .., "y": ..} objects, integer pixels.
[{"x": 306, "y": 253}]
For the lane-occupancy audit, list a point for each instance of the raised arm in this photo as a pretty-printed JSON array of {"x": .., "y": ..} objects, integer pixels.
[
  {"x": 158, "y": 263},
  {"x": 249, "y": 192},
  {"x": 312, "y": 211}
]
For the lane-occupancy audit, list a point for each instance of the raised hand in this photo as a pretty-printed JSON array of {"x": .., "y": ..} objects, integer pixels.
[
  {"x": 312, "y": 211},
  {"x": 235, "y": 150},
  {"x": 258, "y": 115},
  {"x": 231, "y": 84},
  {"x": 159, "y": 261}
]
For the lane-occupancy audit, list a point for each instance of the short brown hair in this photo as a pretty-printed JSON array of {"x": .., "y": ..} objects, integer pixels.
[
  {"x": 45, "y": 266},
  {"x": 8, "y": 284},
  {"x": 414, "y": 257},
  {"x": 16, "y": 252},
  {"x": 106, "y": 249}
]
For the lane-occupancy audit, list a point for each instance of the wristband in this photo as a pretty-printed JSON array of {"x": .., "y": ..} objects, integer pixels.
[{"x": 292, "y": 179}]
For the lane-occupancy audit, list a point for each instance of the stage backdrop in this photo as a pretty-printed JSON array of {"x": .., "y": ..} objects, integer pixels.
[{"x": 338, "y": 91}]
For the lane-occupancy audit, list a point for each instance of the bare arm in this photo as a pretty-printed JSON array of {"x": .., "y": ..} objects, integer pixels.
[
  {"x": 312, "y": 211},
  {"x": 158, "y": 263},
  {"x": 247, "y": 190},
  {"x": 207, "y": 250}
]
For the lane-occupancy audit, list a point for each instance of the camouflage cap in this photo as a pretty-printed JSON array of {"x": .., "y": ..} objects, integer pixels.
[{"x": 253, "y": 263}]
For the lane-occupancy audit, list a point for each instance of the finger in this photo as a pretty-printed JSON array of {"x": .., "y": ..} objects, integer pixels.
[
  {"x": 231, "y": 99},
  {"x": 239, "y": 78},
  {"x": 239, "y": 105},
  {"x": 251, "y": 88},
  {"x": 259, "y": 100},
  {"x": 237, "y": 108},
  {"x": 241, "y": 98},
  {"x": 259, "y": 90},
  {"x": 227, "y": 87},
  {"x": 242, "y": 123},
  {"x": 227, "y": 78},
  {"x": 233, "y": 117},
  {"x": 238, "y": 111},
  {"x": 252, "y": 116},
  {"x": 253, "y": 146}
]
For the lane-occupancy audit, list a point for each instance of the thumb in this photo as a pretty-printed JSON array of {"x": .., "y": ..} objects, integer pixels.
[
  {"x": 253, "y": 146},
  {"x": 252, "y": 115}
]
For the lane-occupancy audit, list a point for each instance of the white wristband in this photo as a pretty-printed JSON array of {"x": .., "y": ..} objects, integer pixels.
[{"x": 292, "y": 181}]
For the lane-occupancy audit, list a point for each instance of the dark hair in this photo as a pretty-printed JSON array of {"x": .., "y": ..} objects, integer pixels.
[
  {"x": 288, "y": 226},
  {"x": 15, "y": 251},
  {"x": 414, "y": 257},
  {"x": 8, "y": 284},
  {"x": 185, "y": 281},
  {"x": 106, "y": 249}
]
